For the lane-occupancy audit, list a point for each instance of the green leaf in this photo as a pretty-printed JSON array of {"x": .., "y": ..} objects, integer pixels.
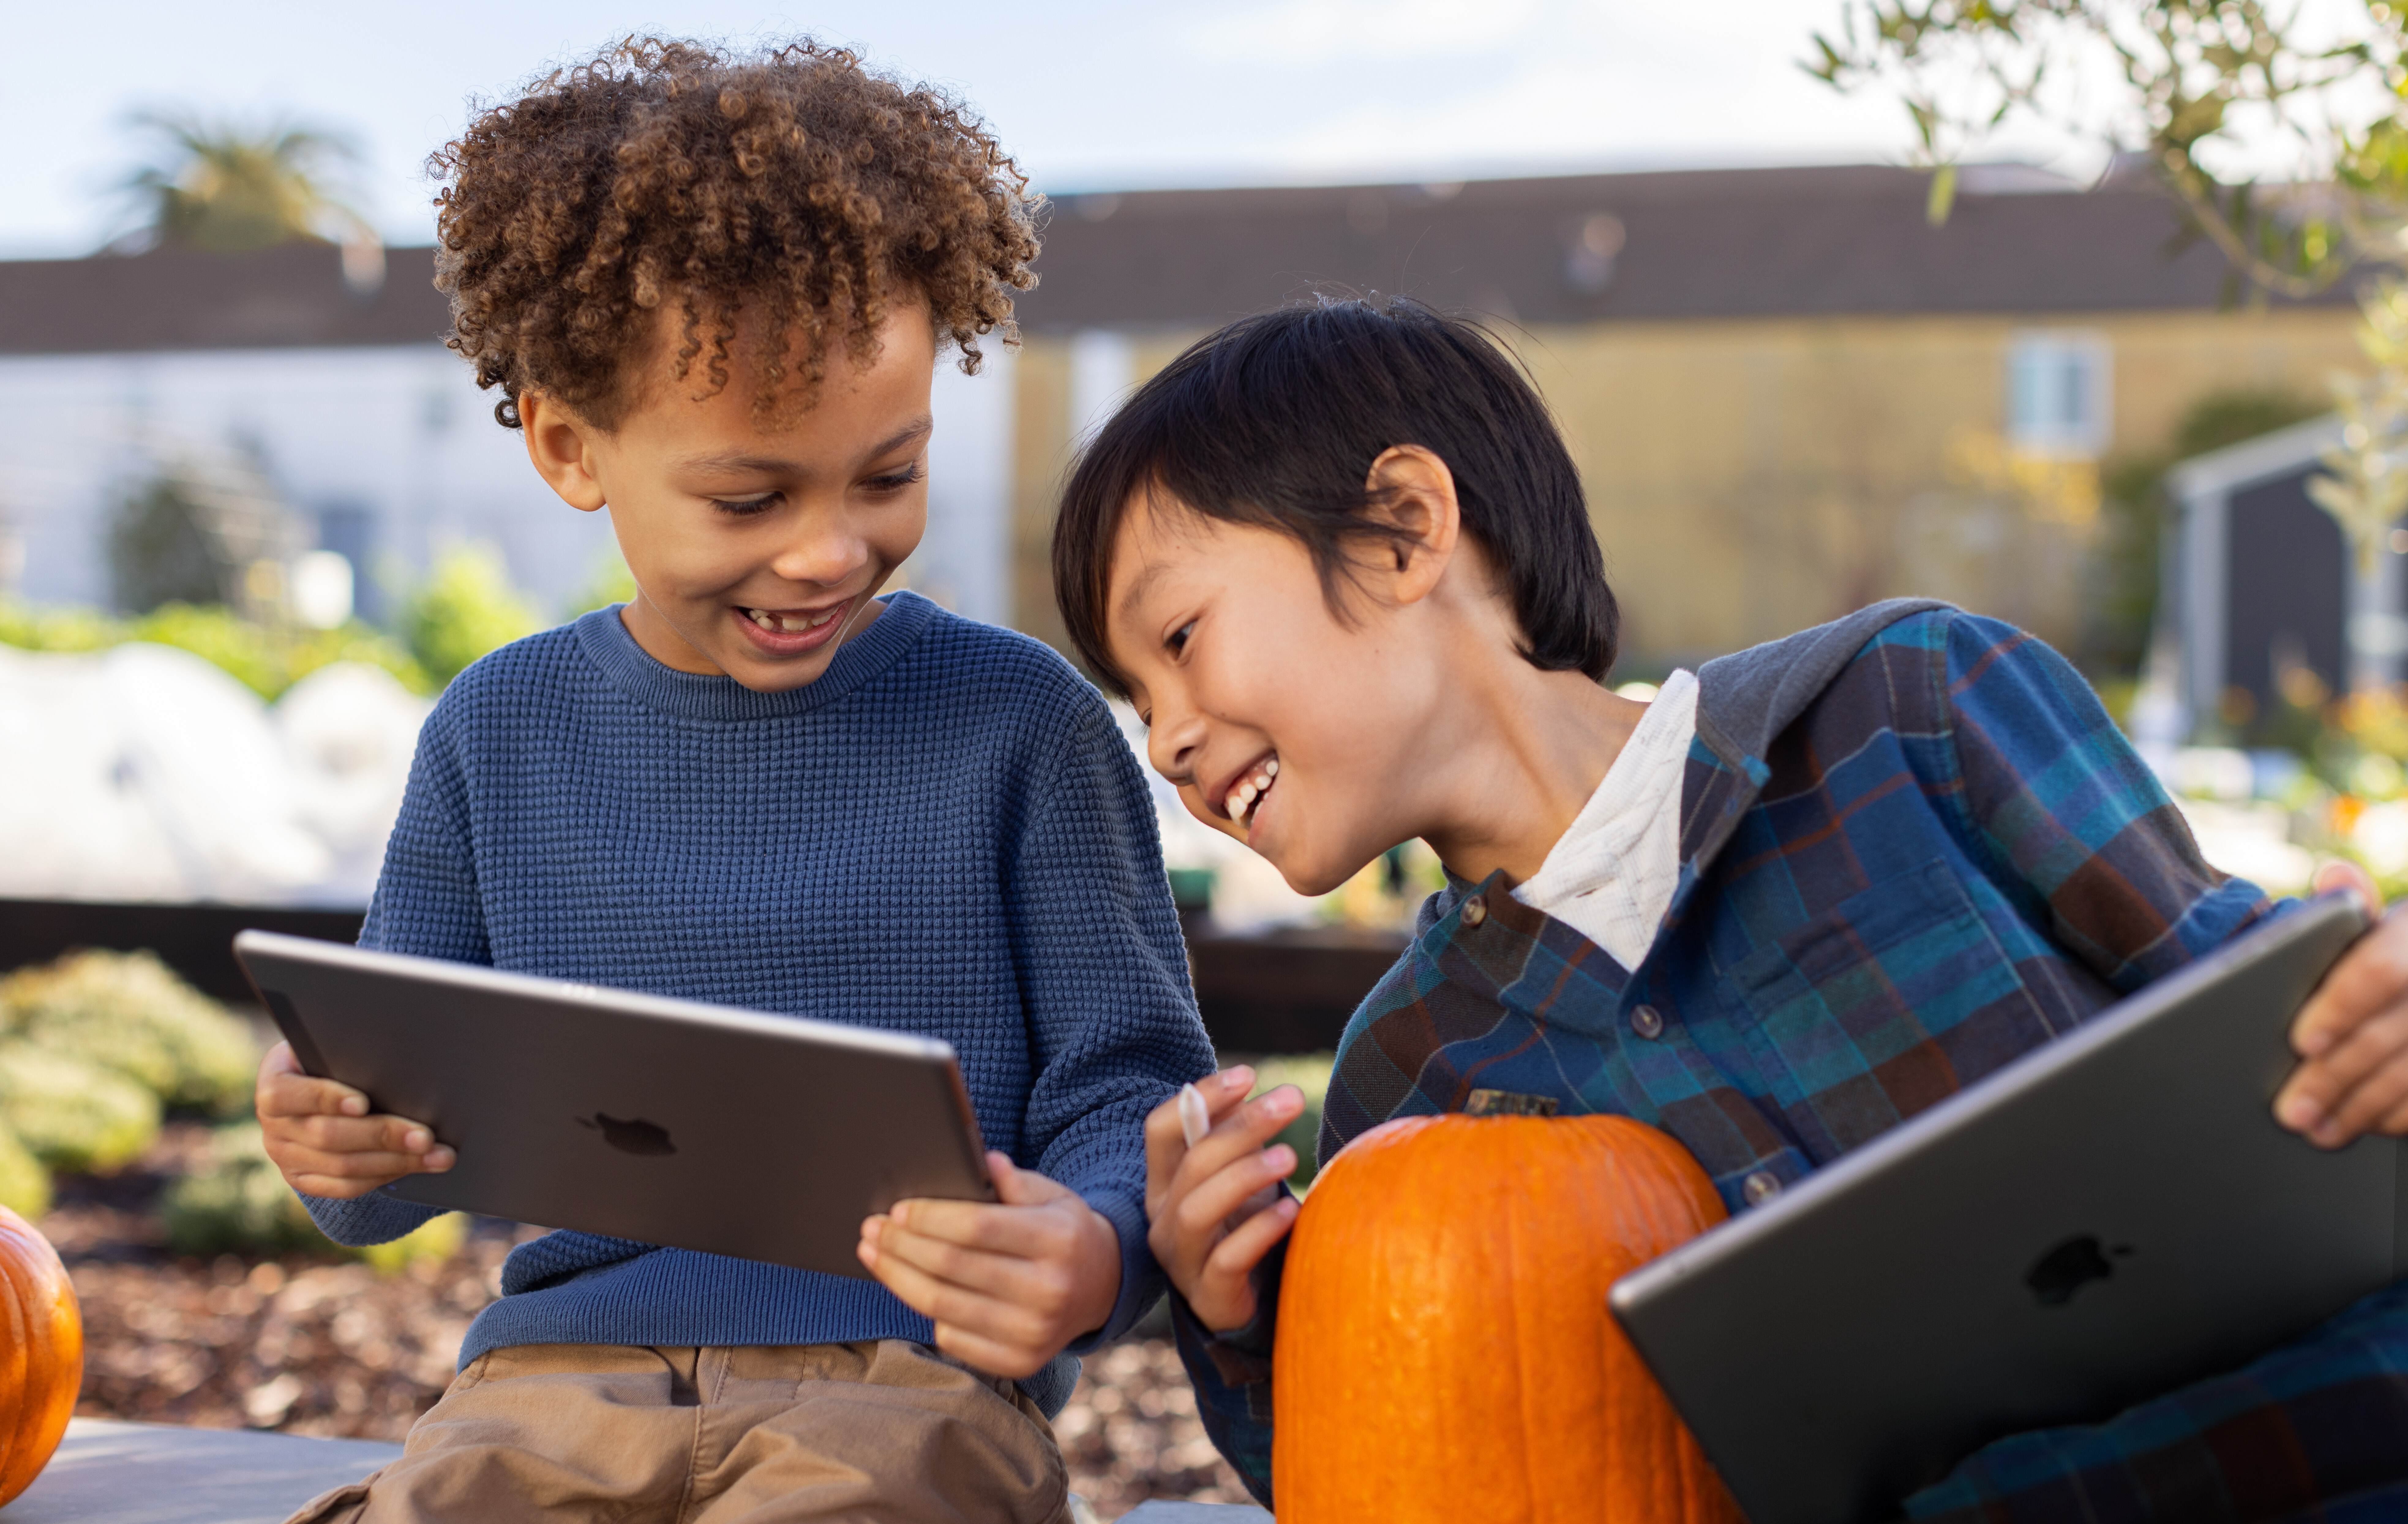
[{"x": 1942, "y": 197}]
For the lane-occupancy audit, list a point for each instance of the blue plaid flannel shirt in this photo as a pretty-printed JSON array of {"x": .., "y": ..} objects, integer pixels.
[{"x": 1914, "y": 847}]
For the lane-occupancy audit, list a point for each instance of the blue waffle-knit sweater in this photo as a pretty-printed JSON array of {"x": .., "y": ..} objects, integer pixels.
[{"x": 945, "y": 834}]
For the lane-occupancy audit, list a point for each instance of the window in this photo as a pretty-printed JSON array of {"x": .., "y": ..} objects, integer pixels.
[{"x": 2058, "y": 388}]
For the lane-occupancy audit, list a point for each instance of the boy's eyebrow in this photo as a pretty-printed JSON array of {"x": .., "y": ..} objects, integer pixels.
[
  {"x": 911, "y": 433},
  {"x": 1139, "y": 585}
]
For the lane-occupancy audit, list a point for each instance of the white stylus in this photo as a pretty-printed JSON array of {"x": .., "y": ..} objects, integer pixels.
[{"x": 1195, "y": 1117}]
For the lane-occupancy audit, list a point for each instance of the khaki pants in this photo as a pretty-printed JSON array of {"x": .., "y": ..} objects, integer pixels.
[{"x": 882, "y": 1431}]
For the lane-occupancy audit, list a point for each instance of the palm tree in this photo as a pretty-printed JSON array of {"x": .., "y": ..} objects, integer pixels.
[{"x": 224, "y": 186}]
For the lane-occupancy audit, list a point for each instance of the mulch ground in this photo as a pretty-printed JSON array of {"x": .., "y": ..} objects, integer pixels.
[{"x": 318, "y": 1346}]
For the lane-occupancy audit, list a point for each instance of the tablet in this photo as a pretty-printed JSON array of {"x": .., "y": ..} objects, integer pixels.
[
  {"x": 667, "y": 1122},
  {"x": 2108, "y": 1218}
]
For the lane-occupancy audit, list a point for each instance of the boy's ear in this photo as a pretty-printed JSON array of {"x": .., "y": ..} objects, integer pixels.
[
  {"x": 1411, "y": 490},
  {"x": 561, "y": 445}
]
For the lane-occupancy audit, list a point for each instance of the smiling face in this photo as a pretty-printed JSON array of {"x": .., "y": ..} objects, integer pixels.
[
  {"x": 1291, "y": 729},
  {"x": 756, "y": 539}
]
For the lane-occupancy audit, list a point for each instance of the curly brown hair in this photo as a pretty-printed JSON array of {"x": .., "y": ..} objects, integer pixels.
[{"x": 791, "y": 184}]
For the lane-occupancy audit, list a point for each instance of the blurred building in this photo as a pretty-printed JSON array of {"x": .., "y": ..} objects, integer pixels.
[
  {"x": 1789, "y": 395},
  {"x": 332, "y": 386},
  {"x": 2268, "y": 605}
]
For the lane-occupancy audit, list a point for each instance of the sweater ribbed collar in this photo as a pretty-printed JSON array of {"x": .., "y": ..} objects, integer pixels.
[{"x": 603, "y": 636}]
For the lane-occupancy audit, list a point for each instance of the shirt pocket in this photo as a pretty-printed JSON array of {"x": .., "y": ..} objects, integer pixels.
[{"x": 1889, "y": 1001}]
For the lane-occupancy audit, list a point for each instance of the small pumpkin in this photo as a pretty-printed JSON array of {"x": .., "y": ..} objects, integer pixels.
[
  {"x": 1445, "y": 1352},
  {"x": 41, "y": 1360}
]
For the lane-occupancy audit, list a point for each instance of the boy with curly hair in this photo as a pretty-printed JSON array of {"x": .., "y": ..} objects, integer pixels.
[{"x": 712, "y": 289}]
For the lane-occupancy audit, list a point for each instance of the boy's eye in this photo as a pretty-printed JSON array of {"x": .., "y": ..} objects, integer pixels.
[
  {"x": 894, "y": 482},
  {"x": 1177, "y": 640},
  {"x": 744, "y": 508}
]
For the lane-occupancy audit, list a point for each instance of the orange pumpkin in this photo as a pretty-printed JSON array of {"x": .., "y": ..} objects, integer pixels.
[
  {"x": 41, "y": 1362},
  {"x": 1445, "y": 1352}
]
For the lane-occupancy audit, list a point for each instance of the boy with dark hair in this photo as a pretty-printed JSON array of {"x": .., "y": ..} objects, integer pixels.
[
  {"x": 713, "y": 290},
  {"x": 1338, "y": 557}
]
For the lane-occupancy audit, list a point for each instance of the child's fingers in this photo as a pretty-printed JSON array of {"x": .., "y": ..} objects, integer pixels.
[
  {"x": 1220, "y": 1198},
  {"x": 948, "y": 1301},
  {"x": 1016, "y": 1186},
  {"x": 1240, "y": 1134},
  {"x": 2344, "y": 874},
  {"x": 285, "y": 1091},
  {"x": 1165, "y": 1140},
  {"x": 971, "y": 1251},
  {"x": 995, "y": 1357},
  {"x": 2362, "y": 1080},
  {"x": 2371, "y": 976},
  {"x": 2320, "y": 1098},
  {"x": 360, "y": 1171},
  {"x": 1222, "y": 1296},
  {"x": 356, "y": 1134}
]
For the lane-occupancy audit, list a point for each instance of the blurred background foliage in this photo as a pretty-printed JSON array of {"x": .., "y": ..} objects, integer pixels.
[
  {"x": 98, "y": 1050},
  {"x": 223, "y": 186},
  {"x": 2185, "y": 88},
  {"x": 464, "y": 608},
  {"x": 265, "y": 657}
]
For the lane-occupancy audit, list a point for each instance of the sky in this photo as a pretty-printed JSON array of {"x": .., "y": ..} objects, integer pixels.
[{"x": 1089, "y": 96}]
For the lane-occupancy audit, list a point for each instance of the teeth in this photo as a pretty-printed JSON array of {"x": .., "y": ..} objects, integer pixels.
[
  {"x": 788, "y": 623},
  {"x": 1240, "y": 800}
]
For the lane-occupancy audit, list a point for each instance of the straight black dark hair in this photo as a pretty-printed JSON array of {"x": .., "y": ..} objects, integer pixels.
[{"x": 1275, "y": 419}]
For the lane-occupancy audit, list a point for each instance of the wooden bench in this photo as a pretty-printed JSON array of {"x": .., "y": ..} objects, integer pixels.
[{"x": 108, "y": 1473}]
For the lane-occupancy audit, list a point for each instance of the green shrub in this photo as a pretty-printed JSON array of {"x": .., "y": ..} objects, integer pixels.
[
  {"x": 266, "y": 660},
  {"x": 611, "y": 583},
  {"x": 24, "y": 1185},
  {"x": 1309, "y": 1073},
  {"x": 127, "y": 1011},
  {"x": 466, "y": 608},
  {"x": 241, "y": 1205},
  {"x": 75, "y": 1115}
]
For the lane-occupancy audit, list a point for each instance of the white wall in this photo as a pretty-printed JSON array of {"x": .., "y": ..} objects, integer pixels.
[
  {"x": 965, "y": 560},
  {"x": 403, "y": 434}
]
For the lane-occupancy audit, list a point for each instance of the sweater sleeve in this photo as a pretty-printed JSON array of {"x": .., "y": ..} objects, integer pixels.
[
  {"x": 425, "y": 904},
  {"x": 2079, "y": 827},
  {"x": 1231, "y": 1372},
  {"x": 1104, "y": 989}
]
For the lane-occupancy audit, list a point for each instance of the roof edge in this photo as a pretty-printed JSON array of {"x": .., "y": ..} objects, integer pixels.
[{"x": 2253, "y": 460}]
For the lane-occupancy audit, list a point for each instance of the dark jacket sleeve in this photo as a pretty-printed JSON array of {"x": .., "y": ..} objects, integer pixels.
[{"x": 1232, "y": 1375}]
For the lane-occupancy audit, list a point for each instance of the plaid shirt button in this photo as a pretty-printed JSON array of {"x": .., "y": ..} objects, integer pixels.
[
  {"x": 1475, "y": 910},
  {"x": 1648, "y": 1022},
  {"x": 1762, "y": 1187}
]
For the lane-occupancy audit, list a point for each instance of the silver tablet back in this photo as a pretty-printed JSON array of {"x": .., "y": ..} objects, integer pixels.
[
  {"x": 667, "y": 1121},
  {"x": 2111, "y": 1217}
]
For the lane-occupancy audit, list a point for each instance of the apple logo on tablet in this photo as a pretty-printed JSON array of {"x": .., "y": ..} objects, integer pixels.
[
  {"x": 633, "y": 1136},
  {"x": 2071, "y": 1266}
]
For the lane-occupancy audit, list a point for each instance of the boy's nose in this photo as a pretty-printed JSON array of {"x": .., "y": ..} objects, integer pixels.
[
  {"x": 1173, "y": 746},
  {"x": 822, "y": 558}
]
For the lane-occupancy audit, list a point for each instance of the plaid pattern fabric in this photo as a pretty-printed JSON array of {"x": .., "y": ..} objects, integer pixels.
[
  {"x": 2315, "y": 1433},
  {"x": 1947, "y": 858}
]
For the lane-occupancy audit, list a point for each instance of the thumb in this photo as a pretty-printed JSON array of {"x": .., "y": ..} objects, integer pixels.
[
  {"x": 1016, "y": 1186},
  {"x": 2343, "y": 875}
]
